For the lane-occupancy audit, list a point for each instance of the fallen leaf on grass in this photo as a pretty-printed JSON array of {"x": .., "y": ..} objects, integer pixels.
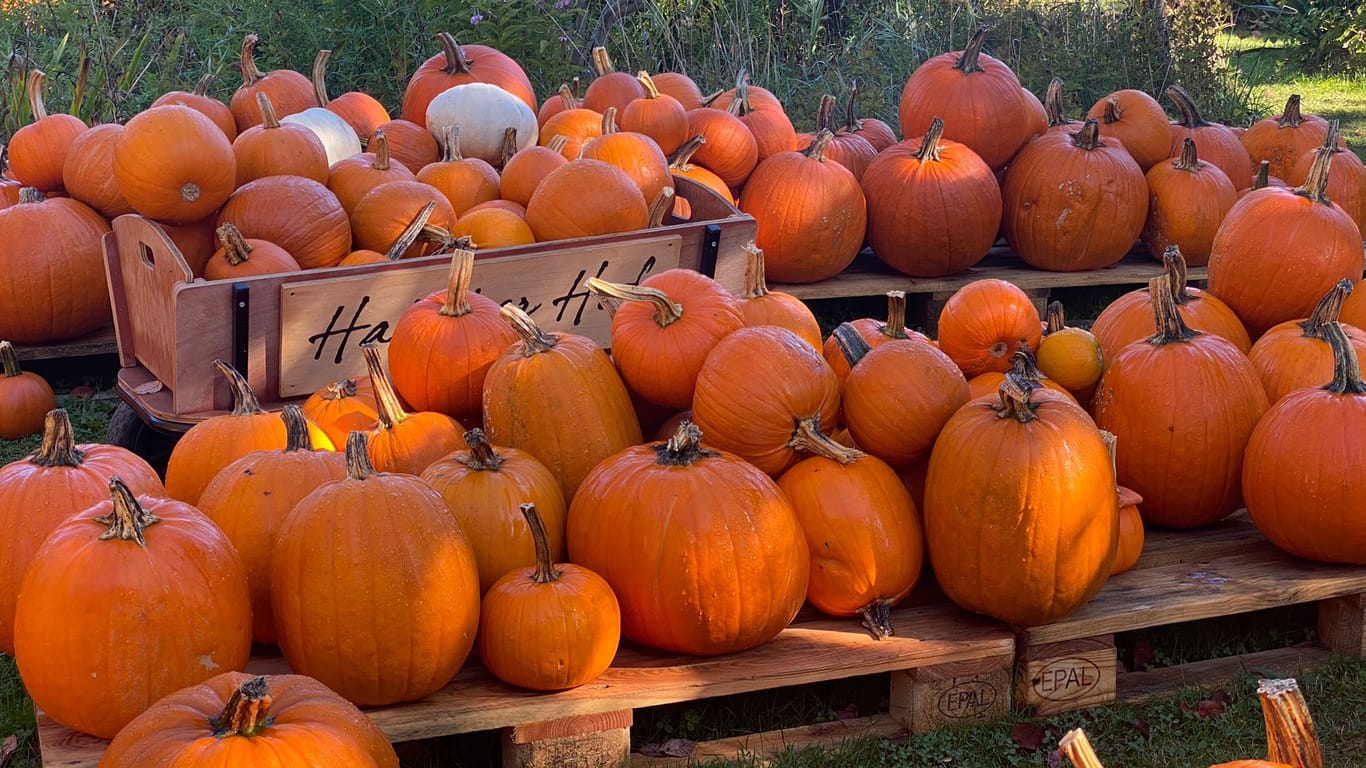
[
  {"x": 82, "y": 392},
  {"x": 1141, "y": 726},
  {"x": 1027, "y": 735},
  {"x": 670, "y": 748}
]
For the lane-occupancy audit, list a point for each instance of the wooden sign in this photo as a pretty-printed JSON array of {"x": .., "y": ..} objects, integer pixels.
[{"x": 324, "y": 322}]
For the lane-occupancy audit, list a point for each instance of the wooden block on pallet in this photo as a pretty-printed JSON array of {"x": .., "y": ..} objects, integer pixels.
[
  {"x": 1342, "y": 624},
  {"x": 946, "y": 695},
  {"x": 588, "y": 741},
  {"x": 1060, "y": 677}
]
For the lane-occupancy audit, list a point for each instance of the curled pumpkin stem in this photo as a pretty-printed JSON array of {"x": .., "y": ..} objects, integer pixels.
[
  {"x": 534, "y": 339},
  {"x": 667, "y": 311}
]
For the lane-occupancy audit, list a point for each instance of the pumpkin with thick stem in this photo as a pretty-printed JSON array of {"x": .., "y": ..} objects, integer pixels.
[
  {"x": 1183, "y": 403},
  {"x": 241, "y": 719},
  {"x": 38, "y": 151},
  {"x": 754, "y": 411},
  {"x": 634, "y": 153},
  {"x": 762, "y": 113},
  {"x": 410, "y": 144},
  {"x": 664, "y": 330},
  {"x": 1279, "y": 250},
  {"x": 1284, "y": 139},
  {"x": 130, "y": 600},
  {"x": 984, "y": 322},
  {"x": 719, "y": 562},
  {"x": 351, "y": 178},
  {"x": 848, "y": 149},
  {"x": 1070, "y": 356},
  {"x": 241, "y": 257},
  {"x": 812, "y": 214},
  {"x": 484, "y": 486},
  {"x": 551, "y": 626},
  {"x": 862, "y": 530},
  {"x": 933, "y": 206},
  {"x": 443, "y": 345},
  {"x": 405, "y": 442},
  {"x": 1021, "y": 515},
  {"x": 270, "y": 148},
  {"x": 200, "y": 101},
  {"x": 417, "y": 228},
  {"x": 610, "y": 89},
  {"x": 1188, "y": 199},
  {"x": 1263, "y": 178},
  {"x": 558, "y": 397},
  {"x": 760, "y": 306},
  {"x": 1296, "y": 354},
  {"x": 385, "y": 212},
  {"x": 43, "y": 489},
  {"x": 1131, "y": 533},
  {"x": 300, "y": 215},
  {"x": 657, "y": 115},
  {"x": 728, "y": 149},
  {"x": 465, "y": 181},
  {"x": 363, "y": 112},
  {"x": 25, "y": 397},
  {"x": 1054, "y": 110},
  {"x": 569, "y": 96},
  {"x": 88, "y": 172},
  {"x": 873, "y": 130},
  {"x": 898, "y": 396},
  {"x": 874, "y": 331},
  {"x": 214, "y": 443},
  {"x": 1024, "y": 365},
  {"x": 681, "y": 87},
  {"x": 457, "y": 64},
  {"x": 252, "y": 496},
  {"x": 374, "y": 586},
  {"x": 1217, "y": 143},
  {"x": 1138, "y": 121},
  {"x": 173, "y": 164},
  {"x": 288, "y": 90},
  {"x": 585, "y": 198},
  {"x": 523, "y": 171},
  {"x": 343, "y": 407},
  {"x": 1130, "y": 317},
  {"x": 1346, "y": 178}
]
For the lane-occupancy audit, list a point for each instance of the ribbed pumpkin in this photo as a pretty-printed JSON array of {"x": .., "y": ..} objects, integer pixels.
[
  {"x": 665, "y": 328},
  {"x": 812, "y": 214},
  {"x": 681, "y": 87},
  {"x": 1354, "y": 308},
  {"x": 657, "y": 115},
  {"x": 1070, "y": 356},
  {"x": 199, "y": 100},
  {"x": 977, "y": 96},
  {"x": 272, "y": 149},
  {"x": 485, "y": 486},
  {"x": 1346, "y": 177},
  {"x": 874, "y": 131},
  {"x": 1130, "y": 317},
  {"x": 898, "y": 396},
  {"x": 610, "y": 89},
  {"x": 126, "y": 602},
  {"x": 443, "y": 345},
  {"x": 523, "y": 172},
  {"x": 173, "y": 164},
  {"x": 343, "y": 407},
  {"x": 48, "y": 486},
  {"x": 762, "y": 113},
  {"x": 25, "y": 397},
  {"x": 288, "y": 90},
  {"x": 760, "y": 306},
  {"x": 363, "y": 112},
  {"x": 457, "y": 64},
  {"x": 634, "y": 153},
  {"x": 1183, "y": 403},
  {"x": 297, "y": 214},
  {"x": 1296, "y": 355},
  {"x": 1138, "y": 121},
  {"x": 374, "y": 586},
  {"x": 984, "y": 322},
  {"x": 1131, "y": 533},
  {"x": 862, "y": 531},
  {"x": 719, "y": 562},
  {"x": 1216, "y": 143},
  {"x": 1021, "y": 515},
  {"x": 875, "y": 332},
  {"x": 214, "y": 443},
  {"x": 88, "y": 172},
  {"x": 410, "y": 144},
  {"x": 558, "y": 397},
  {"x": 239, "y": 257},
  {"x": 729, "y": 149},
  {"x": 38, "y": 151},
  {"x": 567, "y": 97},
  {"x": 933, "y": 205},
  {"x": 1283, "y": 140},
  {"x": 53, "y": 260},
  {"x": 351, "y": 178},
  {"x": 384, "y": 213},
  {"x": 417, "y": 228},
  {"x": 403, "y": 442},
  {"x": 1279, "y": 250},
  {"x": 585, "y": 198},
  {"x": 465, "y": 181},
  {"x": 241, "y": 719},
  {"x": 1298, "y": 478},
  {"x": 1187, "y": 201},
  {"x": 252, "y": 496},
  {"x": 753, "y": 411},
  {"x": 1058, "y": 190}
]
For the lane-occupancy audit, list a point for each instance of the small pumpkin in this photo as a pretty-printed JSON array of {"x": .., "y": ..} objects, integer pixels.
[
  {"x": 456, "y": 65},
  {"x": 657, "y": 115},
  {"x": 873, "y": 130},
  {"x": 200, "y": 100},
  {"x": 569, "y": 96},
  {"x": 1263, "y": 178},
  {"x": 875, "y": 332},
  {"x": 343, "y": 407},
  {"x": 984, "y": 322},
  {"x": 38, "y": 151},
  {"x": 483, "y": 113},
  {"x": 523, "y": 171},
  {"x": 174, "y": 164},
  {"x": 1296, "y": 355},
  {"x": 1131, "y": 533},
  {"x": 351, "y": 178},
  {"x": 849, "y": 150},
  {"x": 288, "y": 90},
  {"x": 494, "y": 228},
  {"x": 1217, "y": 144},
  {"x": 416, "y": 229},
  {"x": 681, "y": 87},
  {"x": 384, "y": 213},
  {"x": 1187, "y": 201},
  {"x": 465, "y": 181},
  {"x": 404, "y": 442},
  {"x": 1070, "y": 356},
  {"x": 25, "y": 397},
  {"x": 410, "y": 144},
  {"x": 762, "y": 113},
  {"x": 577, "y": 125},
  {"x": 760, "y": 306},
  {"x": 728, "y": 148},
  {"x": 610, "y": 89},
  {"x": 585, "y": 198},
  {"x": 1022, "y": 364},
  {"x": 363, "y": 112},
  {"x": 680, "y": 165},
  {"x": 239, "y": 257},
  {"x": 1138, "y": 121}
]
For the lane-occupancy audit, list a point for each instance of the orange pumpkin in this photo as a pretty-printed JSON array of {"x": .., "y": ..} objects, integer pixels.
[
  {"x": 465, "y": 181},
  {"x": 457, "y": 64},
  {"x": 657, "y": 115},
  {"x": 239, "y": 257},
  {"x": 679, "y": 165},
  {"x": 383, "y": 214},
  {"x": 299, "y": 215},
  {"x": 350, "y": 178},
  {"x": 729, "y": 149},
  {"x": 1295, "y": 354},
  {"x": 1022, "y": 364},
  {"x": 410, "y": 144},
  {"x": 984, "y": 322},
  {"x": 585, "y": 198},
  {"x": 199, "y": 100},
  {"x": 874, "y": 131},
  {"x": 288, "y": 90},
  {"x": 577, "y": 125},
  {"x": 405, "y": 442},
  {"x": 1346, "y": 178},
  {"x": 523, "y": 172},
  {"x": 363, "y": 112},
  {"x": 343, "y": 407},
  {"x": 1217, "y": 144},
  {"x": 88, "y": 172},
  {"x": 1284, "y": 139},
  {"x": 1131, "y": 533},
  {"x": 38, "y": 151},
  {"x": 494, "y": 228},
  {"x": 875, "y": 332},
  {"x": 849, "y": 150},
  {"x": 681, "y": 87},
  {"x": 1138, "y": 121},
  {"x": 54, "y": 286},
  {"x": 174, "y": 164},
  {"x": 567, "y": 97},
  {"x": 760, "y": 306},
  {"x": 417, "y": 228},
  {"x": 274, "y": 149},
  {"x": 25, "y": 397},
  {"x": 762, "y": 113},
  {"x": 634, "y": 153},
  {"x": 1070, "y": 356},
  {"x": 1188, "y": 200},
  {"x": 610, "y": 89}
]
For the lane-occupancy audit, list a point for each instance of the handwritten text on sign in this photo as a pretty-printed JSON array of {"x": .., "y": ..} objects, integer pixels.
[{"x": 324, "y": 322}]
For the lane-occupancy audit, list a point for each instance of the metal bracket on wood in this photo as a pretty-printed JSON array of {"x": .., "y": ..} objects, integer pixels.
[
  {"x": 241, "y": 326},
  {"x": 711, "y": 247}
]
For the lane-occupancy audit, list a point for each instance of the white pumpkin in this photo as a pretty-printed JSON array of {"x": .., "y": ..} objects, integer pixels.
[
  {"x": 483, "y": 113},
  {"x": 337, "y": 135}
]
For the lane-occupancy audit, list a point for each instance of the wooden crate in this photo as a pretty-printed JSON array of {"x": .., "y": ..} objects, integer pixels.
[
  {"x": 1183, "y": 576},
  {"x": 947, "y": 667},
  {"x": 290, "y": 334}
]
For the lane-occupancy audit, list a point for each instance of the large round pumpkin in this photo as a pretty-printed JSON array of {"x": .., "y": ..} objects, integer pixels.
[
  {"x": 984, "y": 322},
  {"x": 1296, "y": 355},
  {"x": 88, "y": 173},
  {"x": 297, "y": 214},
  {"x": 174, "y": 164},
  {"x": 584, "y": 198}
]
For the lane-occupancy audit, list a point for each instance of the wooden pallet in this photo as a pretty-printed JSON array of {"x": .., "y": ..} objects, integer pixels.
[
  {"x": 1225, "y": 570},
  {"x": 946, "y": 667},
  {"x": 99, "y": 342}
]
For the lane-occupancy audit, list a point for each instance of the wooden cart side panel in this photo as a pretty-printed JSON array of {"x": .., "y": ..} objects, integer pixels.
[{"x": 150, "y": 268}]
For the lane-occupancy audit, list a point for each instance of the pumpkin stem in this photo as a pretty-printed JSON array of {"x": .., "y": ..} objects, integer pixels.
[
  {"x": 609, "y": 121},
  {"x": 388, "y": 405},
  {"x": 661, "y": 207},
  {"x": 1189, "y": 160},
  {"x": 358, "y": 465},
  {"x": 379, "y": 146},
  {"x": 9, "y": 360},
  {"x": 1171, "y": 327},
  {"x": 685, "y": 151},
  {"x": 825, "y": 113},
  {"x": 1330, "y": 138},
  {"x": 1291, "y": 117},
  {"x": 929, "y": 146},
  {"x": 1263, "y": 177},
  {"x": 576, "y": 85},
  {"x": 1290, "y": 734},
  {"x": 1174, "y": 266},
  {"x": 556, "y": 143},
  {"x": 534, "y": 340},
  {"x": 648, "y": 83},
  {"x": 236, "y": 249},
  {"x": 481, "y": 457},
  {"x": 1024, "y": 364},
  {"x": 250, "y": 74},
  {"x": 895, "y": 327},
  {"x": 1190, "y": 114},
  {"x": 339, "y": 390},
  {"x": 1111, "y": 441},
  {"x": 808, "y": 437},
  {"x": 851, "y": 122},
  {"x": 457, "y": 304},
  {"x": 320, "y": 76},
  {"x": 742, "y": 91},
  {"x": 244, "y": 402},
  {"x": 510, "y": 145},
  {"x": 756, "y": 284},
  {"x": 1088, "y": 138},
  {"x": 1015, "y": 398},
  {"x": 1053, "y": 315},
  {"x": 602, "y": 63},
  {"x": 128, "y": 520},
  {"x": 30, "y": 195},
  {"x": 1346, "y": 365},
  {"x": 201, "y": 88},
  {"x": 1327, "y": 310},
  {"x": 545, "y": 573},
  {"x": 1052, "y": 104},
  {"x": 568, "y": 98},
  {"x": 450, "y": 138},
  {"x": 35, "y": 94},
  {"x": 666, "y": 310},
  {"x": 247, "y": 712},
  {"x": 877, "y": 618},
  {"x": 268, "y": 116},
  {"x": 58, "y": 448},
  {"x": 851, "y": 343},
  {"x": 297, "y": 436},
  {"x": 1112, "y": 113},
  {"x": 967, "y": 61},
  {"x": 684, "y": 448},
  {"x": 411, "y": 233},
  {"x": 817, "y": 149},
  {"x": 456, "y": 64},
  {"x": 1078, "y": 750},
  {"x": 1315, "y": 187}
]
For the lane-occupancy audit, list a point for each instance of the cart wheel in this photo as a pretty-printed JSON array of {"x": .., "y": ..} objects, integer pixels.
[{"x": 126, "y": 430}]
